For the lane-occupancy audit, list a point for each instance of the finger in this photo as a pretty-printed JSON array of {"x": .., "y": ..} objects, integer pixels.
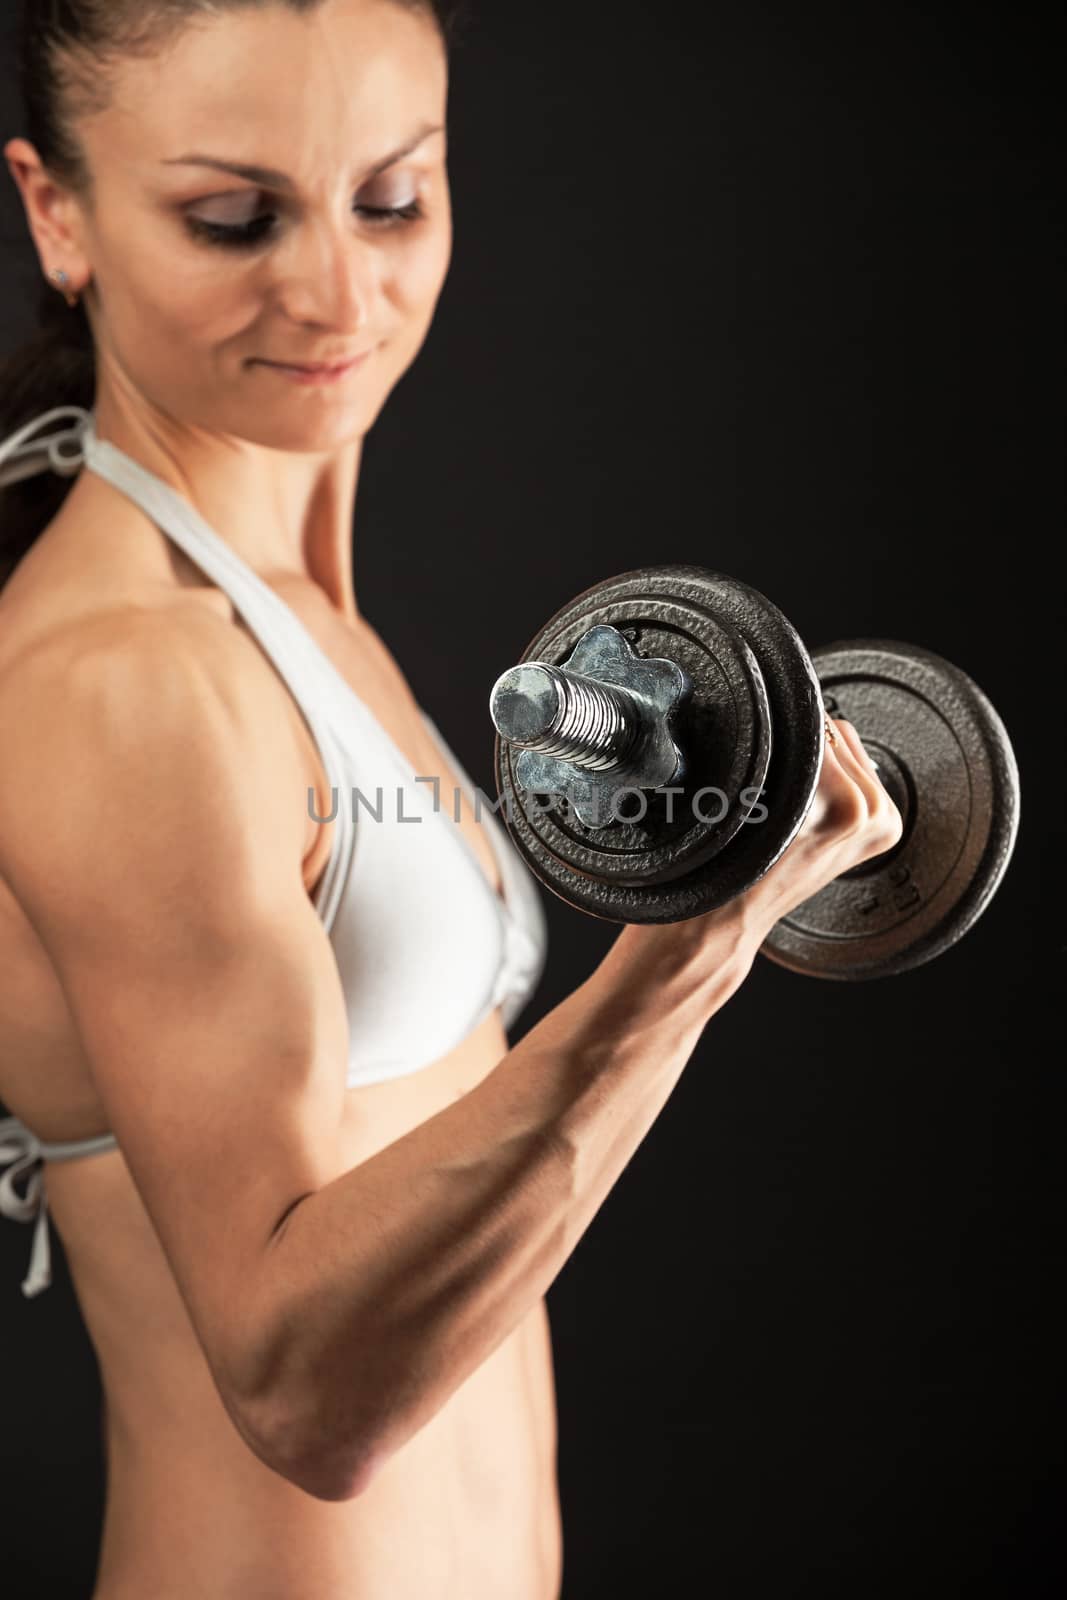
[
  {"x": 860, "y": 768},
  {"x": 880, "y": 801},
  {"x": 835, "y": 794},
  {"x": 855, "y": 743}
]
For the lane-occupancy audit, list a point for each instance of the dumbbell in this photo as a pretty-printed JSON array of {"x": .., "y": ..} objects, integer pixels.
[{"x": 659, "y": 743}]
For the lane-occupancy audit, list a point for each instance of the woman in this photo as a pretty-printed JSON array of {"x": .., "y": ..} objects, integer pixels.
[{"x": 311, "y": 1201}]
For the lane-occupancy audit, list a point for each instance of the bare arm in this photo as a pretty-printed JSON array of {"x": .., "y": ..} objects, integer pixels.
[
  {"x": 152, "y": 827},
  {"x": 386, "y": 1288}
]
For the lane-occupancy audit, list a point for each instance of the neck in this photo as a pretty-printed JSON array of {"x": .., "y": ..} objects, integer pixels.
[{"x": 287, "y": 515}]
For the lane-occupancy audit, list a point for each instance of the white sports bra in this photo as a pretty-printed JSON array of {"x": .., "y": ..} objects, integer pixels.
[{"x": 398, "y": 855}]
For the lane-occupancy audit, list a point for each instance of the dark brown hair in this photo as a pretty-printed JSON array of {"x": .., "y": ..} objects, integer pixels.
[{"x": 65, "y": 47}]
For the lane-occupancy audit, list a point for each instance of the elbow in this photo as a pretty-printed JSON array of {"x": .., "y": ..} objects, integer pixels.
[
  {"x": 310, "y": 1456},
  {"x": 323, "y": 1475},
  {"x": 316, "y": 1475},
  {"x": 314, "y": 1431}
]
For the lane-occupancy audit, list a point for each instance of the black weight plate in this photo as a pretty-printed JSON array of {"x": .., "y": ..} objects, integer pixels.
[
  {"x": 722, "y": 725},
  {"x": 750, "y": 674},
  {"x": 943, "y": 751},
  {"x": 797, "y": 723}
]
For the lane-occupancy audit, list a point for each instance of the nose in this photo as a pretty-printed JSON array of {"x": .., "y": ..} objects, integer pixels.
[{"x": 329, "y": 277}]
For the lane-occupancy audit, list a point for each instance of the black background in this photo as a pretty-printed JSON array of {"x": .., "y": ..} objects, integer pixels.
[{"x": 771, "y": 289}]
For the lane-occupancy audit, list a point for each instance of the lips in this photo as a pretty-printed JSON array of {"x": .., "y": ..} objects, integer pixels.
[
  {"x": 340, "y": 365},
  {"x": 318, "y": 366},
  {"x": 320, "y": 377}
]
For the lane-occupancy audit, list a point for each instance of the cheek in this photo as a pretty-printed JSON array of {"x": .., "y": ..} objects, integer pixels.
[
  {"x": 176, "y": 314},
  {"x": 207, "y": 306},
  {"x": 171, "y": 292}
]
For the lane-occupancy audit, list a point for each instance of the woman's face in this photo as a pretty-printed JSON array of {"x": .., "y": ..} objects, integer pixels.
[{"x": 203, "y": 276}]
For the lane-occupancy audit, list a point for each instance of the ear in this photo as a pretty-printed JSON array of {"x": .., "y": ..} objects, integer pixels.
[{"x": 52, "y": 213}]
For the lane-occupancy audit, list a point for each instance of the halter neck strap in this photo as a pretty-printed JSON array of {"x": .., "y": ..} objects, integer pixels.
[{"x": 62, "y": 451}]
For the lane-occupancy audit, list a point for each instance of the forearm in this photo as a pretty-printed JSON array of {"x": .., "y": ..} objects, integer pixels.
[{"x": 390, "y": 1285}]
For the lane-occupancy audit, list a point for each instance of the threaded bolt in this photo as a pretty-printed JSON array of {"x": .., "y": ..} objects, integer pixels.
[{"x": 562, "y": 714}]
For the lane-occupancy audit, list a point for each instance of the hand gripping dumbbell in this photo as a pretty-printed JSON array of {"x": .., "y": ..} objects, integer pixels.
[{"x": 659, "y": 744}]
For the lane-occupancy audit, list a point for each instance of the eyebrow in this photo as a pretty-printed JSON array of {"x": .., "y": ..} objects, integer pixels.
[{"x": 271, "y": 178}]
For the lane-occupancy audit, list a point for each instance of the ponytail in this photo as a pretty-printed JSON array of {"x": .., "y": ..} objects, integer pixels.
[{"x": 56, "y": 367}]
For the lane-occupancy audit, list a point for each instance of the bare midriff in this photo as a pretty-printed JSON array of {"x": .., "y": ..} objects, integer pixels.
[{"x": 468, "y": 1508}]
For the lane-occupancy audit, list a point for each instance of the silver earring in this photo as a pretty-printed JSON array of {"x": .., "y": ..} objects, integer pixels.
[{"x": 60, "y": 278}]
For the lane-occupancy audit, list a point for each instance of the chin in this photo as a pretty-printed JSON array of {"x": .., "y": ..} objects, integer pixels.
[{"x": 299, "y": 429}]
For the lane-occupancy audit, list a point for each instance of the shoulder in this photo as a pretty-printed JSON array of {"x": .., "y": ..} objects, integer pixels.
[
  {"x": 92, "y": 572},
  {"x": 140, "y": 648},
  {"x": 174, "y": 706}
]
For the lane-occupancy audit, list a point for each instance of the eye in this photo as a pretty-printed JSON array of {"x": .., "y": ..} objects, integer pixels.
[
  {"x": 246, "y": 235},
  {"x": 405, "y": 213}
]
